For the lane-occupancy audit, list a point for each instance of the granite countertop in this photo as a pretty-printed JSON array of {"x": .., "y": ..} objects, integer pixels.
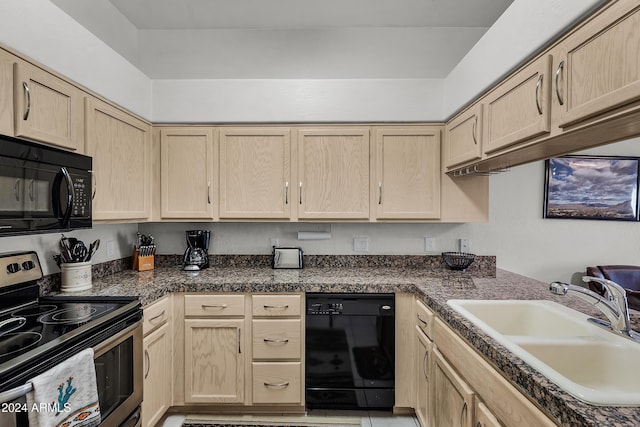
[{"x": 433, "y": 286}]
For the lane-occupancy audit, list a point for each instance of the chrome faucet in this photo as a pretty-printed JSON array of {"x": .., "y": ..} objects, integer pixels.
[{"x": 614, "y": 307}]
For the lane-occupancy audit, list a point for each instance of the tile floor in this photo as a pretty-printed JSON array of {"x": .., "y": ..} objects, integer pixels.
[{"x": 367, "y": 418}]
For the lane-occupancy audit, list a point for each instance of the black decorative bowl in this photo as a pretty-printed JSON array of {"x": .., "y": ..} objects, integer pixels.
[{"x": 458, "y": 260}]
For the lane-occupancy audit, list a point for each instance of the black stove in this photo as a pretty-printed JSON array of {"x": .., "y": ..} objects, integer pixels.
[{"x": 37, "y": 332}]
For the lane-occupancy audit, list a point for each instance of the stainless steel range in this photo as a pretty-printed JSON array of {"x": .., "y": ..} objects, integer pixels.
[{"x": 37, "y": 333}]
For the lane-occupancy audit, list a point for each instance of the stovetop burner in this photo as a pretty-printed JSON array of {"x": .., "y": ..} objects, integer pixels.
[
  {"x": 36, "y": 310},
  {"x": 18, "y": 342},
  {"x": 77, "y": 313}
]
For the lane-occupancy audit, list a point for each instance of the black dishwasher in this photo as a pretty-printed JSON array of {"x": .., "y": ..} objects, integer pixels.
[{"x": 350, "y": 351}]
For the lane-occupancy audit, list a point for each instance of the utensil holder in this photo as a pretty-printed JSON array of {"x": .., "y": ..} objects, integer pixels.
[
  {"x": 142, "y": 263},
  {"x": 75, "y": 276}
]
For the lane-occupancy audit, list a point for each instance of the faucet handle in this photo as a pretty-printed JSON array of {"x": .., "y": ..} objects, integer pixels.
[
  {"x": 558, "y": 288},
  {"x": 615, "y": 292}
]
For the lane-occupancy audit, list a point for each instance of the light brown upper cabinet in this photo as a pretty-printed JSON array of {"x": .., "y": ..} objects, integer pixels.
[
  {"x": 255, "y": 173},
  {"x": 47, "y": 108},
  {"x": 406, "y": 183},
  {"x": 519, "y": 108},
  {"x": 601, "y": 68},
  {"x": 333, "y": 173},
  {"x": 120, "y": 146},
  {"x": 187, "y": 172},
  {"x": 6, "y": 93},
  {"x": 463, "y": 137}
]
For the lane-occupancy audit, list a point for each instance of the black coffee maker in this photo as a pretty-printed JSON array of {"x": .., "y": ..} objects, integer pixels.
[{"x": 196, "y": 257}]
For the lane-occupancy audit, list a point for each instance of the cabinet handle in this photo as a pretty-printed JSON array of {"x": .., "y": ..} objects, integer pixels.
[
  {"x": 156, "y": 317},
  {"x": 558, "y": 71},
  {"x": 27, "y": 92},
  {"x": 475, "y": 128},
  {"x": 16, "y": 186},
  {"x": 425, "y": 364},
  {"x": 276, "y": 307},
  {"x": 300, "y": 192},
  {"x": 31, "y": 189},
  {"x": 148, "y": 360},
  {"x": 282, "y": 384},
  {"x": 216, "y": 306},
  {"x": 239, "y": 340},
  {"x": 379, "y": 192},
  {"x": 276, "y": 341},
  {"x": 286, "y": 192},
  {"x": 424, "y": 322},
  {"x": 464, "y": 409},
  {"x": 538, "y": 84},
  {"x": 209, "y": 192}
]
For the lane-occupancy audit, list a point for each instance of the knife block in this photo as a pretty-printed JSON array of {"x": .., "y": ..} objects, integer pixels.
[{"x": 142, "y": 263}]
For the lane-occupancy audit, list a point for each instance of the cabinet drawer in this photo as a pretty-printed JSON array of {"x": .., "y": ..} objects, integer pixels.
[
  {"x": 277, "y": 382},
  {"x": 424, "y": 319},
  {"x": 276, "y": 339},
  {"x": 214, "y": 305},
  {"x": 276, "y": 305},
  {"x": 155, "y": 315}
]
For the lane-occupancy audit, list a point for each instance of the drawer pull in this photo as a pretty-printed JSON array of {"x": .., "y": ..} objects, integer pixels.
[
  {"x": 276, "y": 307},
  {"x": 276, "y": 341},
  {"x": 424, "y": 322},
  {"x": 27, "y": 92},
  {"x": 283, "y": 384},
  {"x": 463, "y": 414},
  {"x": 538, "y": 84},
  {"x": 156, "y": 317},
  {"x": 216, "y": 306},
  {"x": 558, "y": 71}
]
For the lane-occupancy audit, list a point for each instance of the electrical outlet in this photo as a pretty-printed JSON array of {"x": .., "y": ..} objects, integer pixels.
[
  {"x": 110, "y": 248},
  {"x": 429, "y": 244},
  {"x": 465, "y": 245},
  {"x": 274, "y": 241},
  {"x": 361, "y": 244}
]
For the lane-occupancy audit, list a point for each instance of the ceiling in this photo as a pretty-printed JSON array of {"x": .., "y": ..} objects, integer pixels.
[{"x": 298, "y": 39}]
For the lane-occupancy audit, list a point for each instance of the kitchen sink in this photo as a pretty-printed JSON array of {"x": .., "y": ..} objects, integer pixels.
[
  {"x": 587, "y": 361},
  {"x": 524, "y": 318}
]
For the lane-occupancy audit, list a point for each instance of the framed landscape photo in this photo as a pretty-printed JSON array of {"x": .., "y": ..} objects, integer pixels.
[{"x": 592, "y": 187}]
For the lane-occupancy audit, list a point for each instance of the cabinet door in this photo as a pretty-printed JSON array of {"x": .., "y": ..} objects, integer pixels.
[
  {"x": 46, "y": 108},
  {"x": 120, "y": 147},
  {"x": 333, "y": 173},
  {"x": 423, "y": 374},
  {"x": 463, "y": 137},
  {"x": 519, "y": 109},
  {"x": 157, "y": 351},
  {"x": 214, "y": 361},
  {"x": 484, "y": 417},
  {"x": 255, "y": 173},
  {"x": 6, "y": 93},
  {"x": 453, "y": 402},
  {"x": 186, "y": 173},
  {"x": 601, "y": 69},
  {"x": 407, "y": 178}
]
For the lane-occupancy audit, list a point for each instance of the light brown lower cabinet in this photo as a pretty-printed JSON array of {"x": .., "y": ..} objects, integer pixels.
[
  {"x": 453, "y": 398},
  {"x": 424, "y": 357},
  {"x": 157, "y": 379},
  {"x": 484, "y": 417},
  {"x": 276, "y": 382},
  {"x": 214, "y": 361}
]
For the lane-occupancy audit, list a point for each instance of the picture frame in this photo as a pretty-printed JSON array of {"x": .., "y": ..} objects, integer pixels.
[{"x": 592, "y": 187}]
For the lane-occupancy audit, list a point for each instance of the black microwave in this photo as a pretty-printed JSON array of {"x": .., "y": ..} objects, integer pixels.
[{"x": 42, "y": 189}]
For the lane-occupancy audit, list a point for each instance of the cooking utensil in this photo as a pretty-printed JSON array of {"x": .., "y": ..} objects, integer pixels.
[
  {"x": 93, "y": 247},
  {"x": 79, "y": 252}
]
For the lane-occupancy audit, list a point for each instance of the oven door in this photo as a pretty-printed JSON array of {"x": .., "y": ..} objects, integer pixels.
[
  {"x": 118, "y": 363},
  {"x": 119, "y": 376}
]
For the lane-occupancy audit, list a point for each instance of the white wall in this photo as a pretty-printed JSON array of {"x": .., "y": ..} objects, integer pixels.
[
  {"x": 296, "y": 100},
  {"x": 46, "y": 245},
  {"x": 522, "y": 29},
  {"x": 40, "y": 30}
]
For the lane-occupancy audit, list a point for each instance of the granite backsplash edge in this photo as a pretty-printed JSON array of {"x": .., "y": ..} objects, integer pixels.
[{"x": 482, "y": 267}]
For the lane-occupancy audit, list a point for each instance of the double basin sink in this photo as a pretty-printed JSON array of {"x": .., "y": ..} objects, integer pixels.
[{"x": 591, "y": 363}]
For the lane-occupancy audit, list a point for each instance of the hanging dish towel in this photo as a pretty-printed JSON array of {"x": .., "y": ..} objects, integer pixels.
[{"x": 66, "y": 395}]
